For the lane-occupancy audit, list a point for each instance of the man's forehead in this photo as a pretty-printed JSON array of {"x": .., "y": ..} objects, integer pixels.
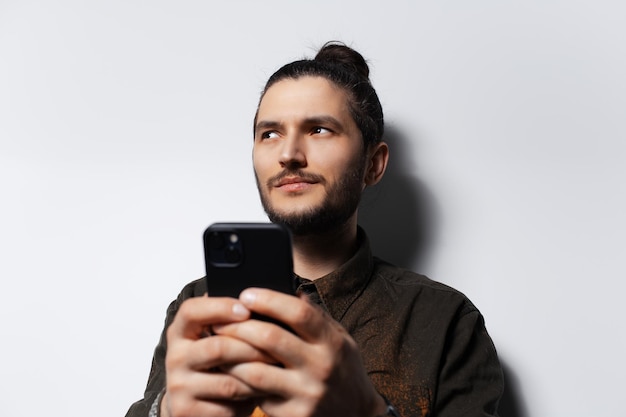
[{"x": 308, "y": 95}]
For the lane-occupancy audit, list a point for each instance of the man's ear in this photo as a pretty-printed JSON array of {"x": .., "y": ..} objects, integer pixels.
[{"x": 378, "y": 156}]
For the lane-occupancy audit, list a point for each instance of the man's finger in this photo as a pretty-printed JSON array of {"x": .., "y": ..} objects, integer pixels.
[
  {"x": 309, "y": 321},
  {"x": 214, "y": 351},
  {"x": 195, "y": 314}
]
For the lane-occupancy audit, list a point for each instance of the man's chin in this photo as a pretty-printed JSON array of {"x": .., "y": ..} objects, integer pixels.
[
  {"x": 299, "y": 222},
  {"x": 292, "y": 218},
  {"x": 310, "y": 223},
  {"x": 294, "y": 210}
]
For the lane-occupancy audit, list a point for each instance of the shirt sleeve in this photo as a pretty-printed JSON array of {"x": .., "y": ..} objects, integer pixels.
[
  {"x": 471, "y": 380},
  {"x": 156, "y": 379}
]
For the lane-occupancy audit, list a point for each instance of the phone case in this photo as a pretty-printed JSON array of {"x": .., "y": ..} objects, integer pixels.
[{"x": 243, "y": 255}]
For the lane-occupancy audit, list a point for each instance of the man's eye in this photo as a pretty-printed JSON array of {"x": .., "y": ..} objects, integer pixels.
[
  {"x": 320, "y": 130},
  {"x": 269, "y": 135}
]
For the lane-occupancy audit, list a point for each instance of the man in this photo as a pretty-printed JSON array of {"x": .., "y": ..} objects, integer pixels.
[{"x": 369, "y": 339}]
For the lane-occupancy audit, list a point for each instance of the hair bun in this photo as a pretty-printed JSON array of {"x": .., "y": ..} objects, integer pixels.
[{"x": 339, "y": 54}]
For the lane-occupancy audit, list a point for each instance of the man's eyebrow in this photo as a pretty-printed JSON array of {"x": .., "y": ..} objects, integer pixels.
[
  {"x": 324, "y": 120},
  {"x": 309, "y": 121},
  {"x": 266, "y": 124}
]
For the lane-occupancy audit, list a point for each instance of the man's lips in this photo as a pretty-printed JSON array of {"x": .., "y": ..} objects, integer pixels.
[
  {"x": 294, "y": 184},
  {"x": 293, "y": 180}
]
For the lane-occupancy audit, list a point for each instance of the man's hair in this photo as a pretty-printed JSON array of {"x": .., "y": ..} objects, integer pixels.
[{"x": 347, "y": 69}]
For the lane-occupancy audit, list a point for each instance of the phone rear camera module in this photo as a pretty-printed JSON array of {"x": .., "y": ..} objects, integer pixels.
[{"x": 224, "y": 249}]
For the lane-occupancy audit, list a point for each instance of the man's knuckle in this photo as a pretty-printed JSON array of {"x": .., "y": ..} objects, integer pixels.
[
  {"x": 303, "y": 314},
  {"x": 185, "y": 312},
  {"x": 184, "y": 409},
  {"x": 257, "y": 379},
  {"x": 267, "y": 336},
  {"x": 216, "y": 347},
  {"x": 175, "y": 358},
  {"x": 229, "y": 388},
  {"x": 176, "y": 383}
]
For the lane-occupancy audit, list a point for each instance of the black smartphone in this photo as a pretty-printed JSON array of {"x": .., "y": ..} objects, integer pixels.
[{"x": 243, "y": 255}]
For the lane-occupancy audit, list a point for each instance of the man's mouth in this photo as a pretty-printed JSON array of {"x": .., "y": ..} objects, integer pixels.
[
  {"x": 294, "y": 183},
  {"x": 294, "y": 180}
]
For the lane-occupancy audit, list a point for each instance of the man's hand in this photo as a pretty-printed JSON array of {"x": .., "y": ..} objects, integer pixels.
[
  {"x": 195, "y": 385},
  {"x": 322, "y": 373}
]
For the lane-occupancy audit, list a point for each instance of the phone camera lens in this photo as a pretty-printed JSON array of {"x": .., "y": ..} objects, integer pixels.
[
  {"x": 216, "y": 241},
  {"x": 232, "y": 255}
]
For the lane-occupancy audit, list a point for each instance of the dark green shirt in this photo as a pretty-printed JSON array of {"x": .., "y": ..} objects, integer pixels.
[{"x": 424, "y": 344}]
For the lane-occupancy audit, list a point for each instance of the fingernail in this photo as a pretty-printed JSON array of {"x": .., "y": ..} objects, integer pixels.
[
  {"x": 247, "y": 297},
  {"x": 240, "y": 310}
]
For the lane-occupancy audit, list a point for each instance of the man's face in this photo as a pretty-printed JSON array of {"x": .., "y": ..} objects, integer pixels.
[{"x": 308, "y": 155}]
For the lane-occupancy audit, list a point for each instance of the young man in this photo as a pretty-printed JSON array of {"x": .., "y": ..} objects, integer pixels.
[{"x": 369, "y": 339}]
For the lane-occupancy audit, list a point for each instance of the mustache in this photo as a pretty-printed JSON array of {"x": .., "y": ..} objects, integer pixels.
[{"x": 306, "y": 176}]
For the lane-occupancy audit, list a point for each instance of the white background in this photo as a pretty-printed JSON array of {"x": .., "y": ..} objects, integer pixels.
[{"x": 125, "y": 129}]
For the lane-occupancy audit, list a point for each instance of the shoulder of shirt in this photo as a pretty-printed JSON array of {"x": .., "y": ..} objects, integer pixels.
[
  {"x": 409, "y": 283},
  {"x": 195, "y": 288}
]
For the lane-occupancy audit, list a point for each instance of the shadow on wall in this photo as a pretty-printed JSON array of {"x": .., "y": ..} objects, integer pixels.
[
  {"x": 511, "y": 404},
  {"x": 401, "y": 219},
  {"x": 398, "y": 213}
]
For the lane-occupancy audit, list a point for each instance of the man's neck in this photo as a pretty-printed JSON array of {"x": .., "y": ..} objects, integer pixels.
[{"x": 317, "y": 255}]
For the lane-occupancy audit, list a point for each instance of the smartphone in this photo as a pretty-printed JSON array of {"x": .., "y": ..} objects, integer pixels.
[{"x": 242, "y": 255}]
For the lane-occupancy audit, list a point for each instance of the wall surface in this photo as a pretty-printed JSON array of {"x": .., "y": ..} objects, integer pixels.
[{"x": 125, "y": 129}]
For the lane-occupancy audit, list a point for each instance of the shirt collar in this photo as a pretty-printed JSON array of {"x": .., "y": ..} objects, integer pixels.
[{"x": 339, "y": 289}]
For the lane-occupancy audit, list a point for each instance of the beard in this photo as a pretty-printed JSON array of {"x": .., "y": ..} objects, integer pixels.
[{"x": 339, "y": 204}]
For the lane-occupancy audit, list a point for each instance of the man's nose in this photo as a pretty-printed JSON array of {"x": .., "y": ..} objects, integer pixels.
[{"x": 292, "y": 153}]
